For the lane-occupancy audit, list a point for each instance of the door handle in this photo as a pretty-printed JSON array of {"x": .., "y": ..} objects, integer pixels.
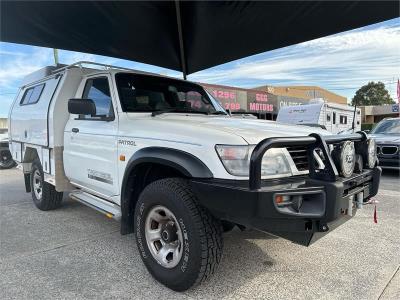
[{"x": 76, "y": 130}]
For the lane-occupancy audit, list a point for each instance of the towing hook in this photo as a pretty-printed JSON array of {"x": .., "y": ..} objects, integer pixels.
[{"x": 323, "y": 228}]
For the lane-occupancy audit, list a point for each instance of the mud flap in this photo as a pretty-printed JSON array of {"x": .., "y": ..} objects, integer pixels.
[{"x": 27, "y": 179}]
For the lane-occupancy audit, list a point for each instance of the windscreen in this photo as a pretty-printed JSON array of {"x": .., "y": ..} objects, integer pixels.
[
  {"x": 387, "y": 127},
  {"x": 145, "y": 93}
]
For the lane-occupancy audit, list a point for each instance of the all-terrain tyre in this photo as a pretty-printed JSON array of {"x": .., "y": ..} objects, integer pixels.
[
  {"x": 44, "y": 194},
  {"x": 168, "y": 218}
]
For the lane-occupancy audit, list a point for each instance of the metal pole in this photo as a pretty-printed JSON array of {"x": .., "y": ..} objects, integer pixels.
[
  {"x": 55, "y": 53},
  {"x": 181, "y": 47}
]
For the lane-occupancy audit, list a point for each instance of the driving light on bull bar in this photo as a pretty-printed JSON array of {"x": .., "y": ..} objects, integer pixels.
[
  {"x": 236, "y": 160},
  {"x": 371, "y": 153},
  {"x": 344, "y": 158},
  {"x": 367, "y": 150}
]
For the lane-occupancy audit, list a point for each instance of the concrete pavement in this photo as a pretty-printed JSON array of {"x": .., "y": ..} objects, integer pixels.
[{"x": 76, "y": 253}]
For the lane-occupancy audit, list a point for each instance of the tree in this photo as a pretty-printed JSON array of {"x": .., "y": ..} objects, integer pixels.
[{"x": 373, "y": 93}]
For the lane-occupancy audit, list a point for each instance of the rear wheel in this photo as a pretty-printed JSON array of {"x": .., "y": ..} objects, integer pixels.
[
  {"x": 44, "y": 194},
  {"x": 179, "y": 241}
]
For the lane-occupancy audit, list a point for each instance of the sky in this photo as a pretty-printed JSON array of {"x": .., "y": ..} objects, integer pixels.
[{"x": 341, "y": 63}]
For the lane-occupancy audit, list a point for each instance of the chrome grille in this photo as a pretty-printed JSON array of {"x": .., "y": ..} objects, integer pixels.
[
  {"x": 388, "y": 150},
  {"x": 300, "y": 158}
]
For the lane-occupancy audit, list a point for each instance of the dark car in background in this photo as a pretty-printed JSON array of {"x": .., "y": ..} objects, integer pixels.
[
  {"x": 6, "y": 160},
  {"x": 387, "y": 136}
]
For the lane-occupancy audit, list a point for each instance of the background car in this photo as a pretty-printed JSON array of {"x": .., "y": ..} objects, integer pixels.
[
  {"x": 6, "y": 161},
  {"x": 387, "y": 136}
]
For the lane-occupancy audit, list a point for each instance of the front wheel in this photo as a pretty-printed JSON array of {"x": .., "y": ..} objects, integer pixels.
[{"x": 179, "y": 241}]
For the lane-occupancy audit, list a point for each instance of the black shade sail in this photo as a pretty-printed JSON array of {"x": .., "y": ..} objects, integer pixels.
[{"x": 183, "y": 35}]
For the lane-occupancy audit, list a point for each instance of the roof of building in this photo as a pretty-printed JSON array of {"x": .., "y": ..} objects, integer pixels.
[
  {"x": 386, "y": 109},
  {"x": 304, "y": 92}
]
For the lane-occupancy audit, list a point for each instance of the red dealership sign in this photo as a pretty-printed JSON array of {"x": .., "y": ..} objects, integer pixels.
[
  {"x": 259, "y": 102},
  {"x": 239, "y": 99}
]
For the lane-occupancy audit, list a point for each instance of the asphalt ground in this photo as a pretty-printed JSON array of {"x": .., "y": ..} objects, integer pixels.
[{"x": 77, "y": 253}]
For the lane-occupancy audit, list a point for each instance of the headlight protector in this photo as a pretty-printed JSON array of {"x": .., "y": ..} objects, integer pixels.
[{"x": 236, "y": 160}]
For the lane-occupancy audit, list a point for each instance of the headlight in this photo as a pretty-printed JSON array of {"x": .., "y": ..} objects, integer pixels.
[
  {"x": 236, "y": 160},
  {"x": 344, "y": 157},
  {"x": 275, "y": 164}
]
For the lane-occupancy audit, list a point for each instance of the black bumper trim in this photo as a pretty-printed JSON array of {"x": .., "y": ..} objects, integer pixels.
[
  {"x": 235, "y": 202},
  {"x": 389, "y": 161}
]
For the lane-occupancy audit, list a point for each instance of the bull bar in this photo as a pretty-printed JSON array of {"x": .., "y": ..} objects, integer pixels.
[
  {"x": 328, "y": 198},
  {"x": 313, "y": 141}
]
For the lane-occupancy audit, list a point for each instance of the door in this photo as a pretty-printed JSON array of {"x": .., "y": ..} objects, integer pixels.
[
  {"x": 90, "y": 142},
  {"x": 334, "y": 123},
  {"x": 328, "y": 119}
]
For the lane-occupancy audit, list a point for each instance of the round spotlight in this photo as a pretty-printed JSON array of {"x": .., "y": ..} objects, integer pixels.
[
  {"x": 345, "y": 158},
  {"x": 371, "y": 153}
]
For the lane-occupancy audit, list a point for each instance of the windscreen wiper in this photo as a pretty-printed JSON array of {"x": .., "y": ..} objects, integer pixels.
[
  {"x": 167, "y": 110},
  {"x": 163, "y": 111},
  {"x": 218, "y": 112}
]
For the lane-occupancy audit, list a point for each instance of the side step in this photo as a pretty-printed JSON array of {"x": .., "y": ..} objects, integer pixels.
[{"x": 111, "y": 210}]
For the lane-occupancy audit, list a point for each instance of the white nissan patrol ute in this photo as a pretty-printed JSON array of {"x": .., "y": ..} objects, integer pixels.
[{"x": 165, "y": 159}]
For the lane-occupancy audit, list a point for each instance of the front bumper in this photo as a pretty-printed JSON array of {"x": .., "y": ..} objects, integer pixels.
[
  {"x": 389, "y": 160},
  {"x": 327, "y": 199},
  {"x": 325, "y": 204}
]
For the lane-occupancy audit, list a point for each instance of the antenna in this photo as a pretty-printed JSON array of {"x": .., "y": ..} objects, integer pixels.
[{"x": 354, "y": 115}]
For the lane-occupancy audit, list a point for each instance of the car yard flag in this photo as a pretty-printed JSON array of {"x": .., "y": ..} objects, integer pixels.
[
  {"x": 398, "y": 90},
  {"x": 398, "y": 96}
]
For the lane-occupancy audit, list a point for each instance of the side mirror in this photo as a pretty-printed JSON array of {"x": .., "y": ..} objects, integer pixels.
[
  {"x": 82, "y": 107},
  {"x": 367, "y": 131}
]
